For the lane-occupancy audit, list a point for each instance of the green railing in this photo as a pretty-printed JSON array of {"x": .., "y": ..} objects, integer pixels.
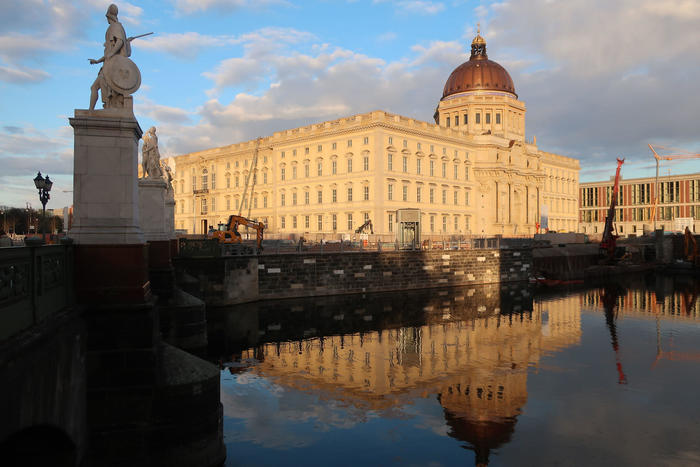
[{"x": 35, "y": 283}]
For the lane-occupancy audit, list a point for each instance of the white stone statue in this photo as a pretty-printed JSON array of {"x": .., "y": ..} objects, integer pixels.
[
  {"x": 150, "y": 162},
  {"x": 119, "y": 77},
  {"x": 168, "y": 175}
]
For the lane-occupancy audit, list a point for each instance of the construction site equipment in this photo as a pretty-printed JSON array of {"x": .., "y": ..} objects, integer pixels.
[
  {"x": 228, "y": 233},
  {"x": 609, "y": 241},
  {"x": 664, "y": 157},
  {"x": 609, "y": 297},
  {"x": 364, "y": 227}
]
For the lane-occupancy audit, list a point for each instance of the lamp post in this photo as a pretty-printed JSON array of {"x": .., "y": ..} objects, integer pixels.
[{"x": 44, "y": 186}]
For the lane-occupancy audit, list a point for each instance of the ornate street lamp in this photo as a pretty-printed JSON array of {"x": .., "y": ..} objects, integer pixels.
[{"x": 44, "y": 186}]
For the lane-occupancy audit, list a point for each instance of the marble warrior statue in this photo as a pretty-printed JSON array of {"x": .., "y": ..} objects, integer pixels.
[
  {"x": 150, "y": 162},
  {"x": 119, "y": 77}
]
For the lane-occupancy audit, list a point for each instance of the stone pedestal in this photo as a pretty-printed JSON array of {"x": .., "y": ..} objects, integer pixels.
[
  {"x": 152, "y": 209},
  {"x": 105, "y": 196}
]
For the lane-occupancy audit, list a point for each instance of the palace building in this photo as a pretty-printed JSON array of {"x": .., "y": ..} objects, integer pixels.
[{"x": 470, "y": 172}]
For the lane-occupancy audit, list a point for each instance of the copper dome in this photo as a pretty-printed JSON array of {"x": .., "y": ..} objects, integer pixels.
[{"x": 479, "y": 73}]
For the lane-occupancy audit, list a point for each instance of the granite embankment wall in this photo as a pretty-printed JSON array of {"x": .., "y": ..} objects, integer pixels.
[{"x": 231, "y": 280}]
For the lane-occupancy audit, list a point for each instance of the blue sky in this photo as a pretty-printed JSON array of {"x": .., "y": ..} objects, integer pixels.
[{"x": 600, "y": 78}]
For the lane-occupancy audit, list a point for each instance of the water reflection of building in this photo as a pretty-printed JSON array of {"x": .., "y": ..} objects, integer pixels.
[
  {"x": 476, "y": 361},
  {"x": 678, "y": 304}
]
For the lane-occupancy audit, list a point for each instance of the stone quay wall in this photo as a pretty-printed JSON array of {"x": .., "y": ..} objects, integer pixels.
[{"x": 227, "y": 281}]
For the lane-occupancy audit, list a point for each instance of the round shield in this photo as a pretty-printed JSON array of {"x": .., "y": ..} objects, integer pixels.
[{"x": 122, "y": 75}]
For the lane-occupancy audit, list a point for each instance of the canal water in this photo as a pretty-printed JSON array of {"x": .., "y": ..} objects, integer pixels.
[{"x": 492, "y": 375}]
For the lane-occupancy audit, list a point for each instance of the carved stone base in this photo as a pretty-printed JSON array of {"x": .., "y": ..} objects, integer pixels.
[{"x": 105, "y": 197}]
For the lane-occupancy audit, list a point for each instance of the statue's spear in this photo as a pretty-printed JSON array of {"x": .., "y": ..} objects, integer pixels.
[{"x": 140, "y": 35}]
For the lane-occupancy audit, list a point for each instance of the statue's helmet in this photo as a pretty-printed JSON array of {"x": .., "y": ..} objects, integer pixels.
[{"x": 112, "y": 12}]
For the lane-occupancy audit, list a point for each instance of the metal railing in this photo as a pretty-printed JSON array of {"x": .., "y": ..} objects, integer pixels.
[{"x": 35, "y": 283}]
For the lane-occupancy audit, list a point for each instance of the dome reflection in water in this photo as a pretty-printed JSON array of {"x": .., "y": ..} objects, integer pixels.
[{"x": 392, "y": 378}]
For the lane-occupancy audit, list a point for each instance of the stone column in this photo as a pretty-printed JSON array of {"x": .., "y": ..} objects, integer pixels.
[{"x": 110, "y": 253}]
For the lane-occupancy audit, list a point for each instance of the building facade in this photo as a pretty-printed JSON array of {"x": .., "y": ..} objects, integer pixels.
[
  {"x": 678, "y": 204},
  {"x": 472, "y": 172}
]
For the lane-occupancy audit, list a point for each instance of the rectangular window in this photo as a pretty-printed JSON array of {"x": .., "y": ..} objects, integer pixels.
[
  {"x": 282, "y": 223},
  {"x": 444, "y": 223},
  {"x": 391, "y": 140},
  {"x": 319, "y": 169},
  {"x": 264, "y": 178},
  {"x": 447, "y": 122},
  {"x": 349, "y": 193},
  {"x": 294, "y": 222},
  {"x": 281, "y": 200},
  {"x": 456, "y": 224},
  {"x": 349, "y": 165},
  {"x": 466, "y": 172},
  {"x": 405, "y": 143},
  {"x": 444, "y": 170},
  {"x": 334, "y": 146},
  {"x": 255, "y": 203},
  {"x": 335, "y": 195},
  {"x": 365, "y": 140},
  {"x": 466, "y": 120},
  {"x": 306, "y": 222},
  {"x": 213, "y": 181},
  {"x": 264, "y": 201},
  {"x": 306, "y": 170},
  {"x": 194, "y": 183},
  {"x": 319, "y": 220},
  {"x": 391, "y": 192},
  {"x": 349, "y": 221},
  {"x": 334, "y": 219},
  {"x": 306, "y": 197},
  {"x": 204, "y": 206},
  {"x": 455, "y": 197},
  {"x": 405, "y": 164},
  {"x": 237, "y": 180},
  {"x": 456, "y": 169},
  {"x": 432, "y": 195},
  {"x": 334, "y": 167},
  {"x": 349, "y": 143},
  {"x": 444, "y": 196},
  {"x": 418, "y": 146},
  {"x": 498, "y": 118},
  {"x": 213, "y": 204},
  {"x": 405, "y": 192},
  {"x": 488, "y": 118},
  {"x": 418, "y": 190},
  {"x": 477, "y": 118},
  {"x": 294, "y": 172},
  {"x": 365, "y": 163},
  {"x": 456, "y": 120},
  {"x": 432, "y": 223},
  {"x": 294, "y": 199},
  {"x": 228, "y": 204},
  {"x": 366, "y": 193},
  {"x": 418, "y": 166},
  {"x": 389, "y": 162},
  {"x": 391, "y": 222},
  {"x": 320, "y": 148},
  {"x": 306, "y": 150},
  {"x": 320, "y": 197},
  {"x": 432, "y": 168},
  {"x": 432, "y": 148},
  {"x": 205, "y": 182}
]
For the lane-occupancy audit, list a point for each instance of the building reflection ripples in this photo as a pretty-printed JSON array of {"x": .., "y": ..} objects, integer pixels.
[{"x": 471, "y": 349}]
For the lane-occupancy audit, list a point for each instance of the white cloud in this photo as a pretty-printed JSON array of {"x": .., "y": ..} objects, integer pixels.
[
  {"x": 416, "y": 6},
  {"x": 185, "y": 45},
  {"x": 21, "y": 75},
  {"x": 198, "y": 6}
]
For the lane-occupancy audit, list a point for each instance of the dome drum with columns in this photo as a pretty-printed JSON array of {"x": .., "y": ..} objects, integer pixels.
[{"x": 471, "y": 173}]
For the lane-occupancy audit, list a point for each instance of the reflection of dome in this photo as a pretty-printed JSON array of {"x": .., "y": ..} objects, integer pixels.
[
  {"x": 479, "y": 73},
  {"x": 482, "y": 435}
]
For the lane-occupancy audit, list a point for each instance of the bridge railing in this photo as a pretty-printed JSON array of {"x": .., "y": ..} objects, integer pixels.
[{"x": 35, "y": 283}]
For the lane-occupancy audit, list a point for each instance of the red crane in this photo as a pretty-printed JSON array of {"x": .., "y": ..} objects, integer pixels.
[
  {"x": 664, "y": 157},
  {"x": 609, "y": 241}
]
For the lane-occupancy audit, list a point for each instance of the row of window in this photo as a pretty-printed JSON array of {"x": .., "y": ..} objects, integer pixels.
[
  {"x": 305, "y": 222},
  {"x": 477, "y": 119},
  {"x": 641, "y": 193},
  {"x": 390, "y": 195},
  {"x": 319, "y": 148}
]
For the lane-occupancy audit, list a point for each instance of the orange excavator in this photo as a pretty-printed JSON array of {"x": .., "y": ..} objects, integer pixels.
[
  {"x": 228, "y": 233},
  {"x": 609, "y": 240}
]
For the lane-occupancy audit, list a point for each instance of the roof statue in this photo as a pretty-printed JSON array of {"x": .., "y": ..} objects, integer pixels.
[
  {"x": 119, "y": 77},
  {"x": 150, "y": 162}
]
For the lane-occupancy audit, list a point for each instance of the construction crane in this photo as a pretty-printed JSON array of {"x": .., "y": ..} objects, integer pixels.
[
  {"x": 609, "y": 240},
  {"x": 664, "y": 157},
  {"x": 609, "y": 296}
]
